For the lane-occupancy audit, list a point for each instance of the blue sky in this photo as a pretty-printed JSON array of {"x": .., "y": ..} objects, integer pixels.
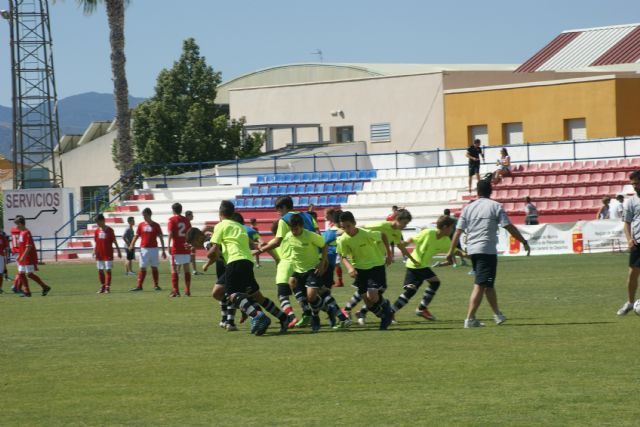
[{"x": 241, "y": 36}]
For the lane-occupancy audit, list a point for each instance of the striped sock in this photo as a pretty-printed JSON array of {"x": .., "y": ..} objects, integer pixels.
[
  {"x": 429, "y": 293},
  {"x": 404, "y": 298},
  {"x": 275, "y": 311},
  {"x": 355, "y": 299}
]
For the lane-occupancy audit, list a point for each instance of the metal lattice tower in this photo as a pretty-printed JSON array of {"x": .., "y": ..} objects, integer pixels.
[{"x": 35, "y": 116}]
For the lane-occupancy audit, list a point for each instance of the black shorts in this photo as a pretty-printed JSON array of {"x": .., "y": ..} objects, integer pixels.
[
  {"x": 474, "y": 168},
  {"x": 131, "y": 255},
  {"x": 239, "y": 278},
  {"x": 485, "y": 267},
  {"x": 373, "y": 278},
  {"x": 221, "y": 267},
  {"x": 309, "y": 279},
  {"x": 634, "y": 257},
  {"x": 415, "y": 276}
]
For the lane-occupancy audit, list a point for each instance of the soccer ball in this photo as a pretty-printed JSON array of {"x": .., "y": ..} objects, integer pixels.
[{"x": 636, "y": 307}]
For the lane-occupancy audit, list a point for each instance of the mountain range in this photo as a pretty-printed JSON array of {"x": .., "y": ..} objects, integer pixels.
[{"x": 75, "y": 113}]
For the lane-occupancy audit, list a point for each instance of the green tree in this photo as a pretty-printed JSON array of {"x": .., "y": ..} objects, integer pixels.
[
  {"x": 182, "y": 123},
  {"x": 123, "y": 150}
]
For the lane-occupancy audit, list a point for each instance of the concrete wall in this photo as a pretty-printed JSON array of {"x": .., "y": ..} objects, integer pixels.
[
  {"x": 541, "y": 109},
  {"x": 628, "y": 106},
  {"x": 413, "y": 105}
]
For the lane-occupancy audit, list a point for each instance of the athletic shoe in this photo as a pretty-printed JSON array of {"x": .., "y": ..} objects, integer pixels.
[
  {"x": 187, "y": 293},
  {"x": 253, "y": 324},
  {"x": 46, "y": 290},
  {"x": 627, "y": 307},
  {"x": 100, "y": 291},
  {"x": 222, "y": 324},
  {"x": 107, "y": 290},
  {"x": 174, "y": 294},
  {"x": 197, "y": 273},
  {"x": 26, "y": 295},
  {"x": 393, "y": 318},
  {"x": 499, "y": 318},
  {"x": 305, "y": 321},
  {"x": 346, "y": 313},
  {"x": 258, "y": 266},
  {"x": 315, "y": 323},
  {"x": 472, "y": 323},
  {"x": 15, "y": 290},
  {"x": 292, "y": 321},
  {"x": 471, "y": 273},
  {"x": 136, "y": 289},
  {"x": 284, "y": 326},
  {"x": 231, "y": 328},
  {"x": 1, "y": 291},
  {"x": 344, "y": 324},
  {"x": 361, "y": 319},
  {"x": 386, "y": 317},
  {"x": 332, "y": 319},
  {"x": 425, "y": 314},
  {"x": 262, "y": 323},
  {"x": 157, "y": 288}
]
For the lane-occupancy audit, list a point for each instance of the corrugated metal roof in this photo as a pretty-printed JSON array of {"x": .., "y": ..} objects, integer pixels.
[
  {"x": 580, "y": 49},
  {"x": 625, "y": 51}
]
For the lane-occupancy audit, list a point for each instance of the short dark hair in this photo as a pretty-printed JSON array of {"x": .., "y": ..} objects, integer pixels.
[
  {"x": 484, "y": 188},
  {"x": 477, "y": 141},
  {"x": 403, "y": 214},
  {"x": 252, "y": 220},
  {"x": 130, "y": 218},
  {"x": 314, "y": 214},
  {"x": 447, "y": 211},
  {"x": 146, "y": 211},
  {"x": 347, "y": 216},
  {"x": 193, "y": 233},
  {"x": 333, "y": 215},
  {"x": 620, "y": 197},
  {"x": 635, "y": 175},
  {"x": 394, "y": 207},
  {"x": 296, "y": 221},
  {"x": 284, "y": 202},
  {"x": 227, "y": 208},
  {"x": 237, "y": 217},
  {"x": 187, "y": 213},
  {"x": 19, "y": 219},
  {"x": 99, "y": 217},
  {"x": 176, "y": 208},
  {"x": 444, "y": 221}
]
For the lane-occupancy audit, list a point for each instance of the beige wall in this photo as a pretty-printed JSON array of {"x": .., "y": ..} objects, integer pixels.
[
  {"x": 89, "y": 164},
  {"x": 413, "y": 105}
]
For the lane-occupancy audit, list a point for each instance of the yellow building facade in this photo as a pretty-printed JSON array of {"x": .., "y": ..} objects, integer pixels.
[{"x": 605, "y": 107}]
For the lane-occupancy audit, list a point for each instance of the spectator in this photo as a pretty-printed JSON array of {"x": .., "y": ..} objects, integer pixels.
[
  {"x": 603, "y": 213},
  {"x": 474, "y": 152},
  {"x": 616, "y": 207},
  {"x": 504, "y": 166},
  {"x": 530, "y": 212}
]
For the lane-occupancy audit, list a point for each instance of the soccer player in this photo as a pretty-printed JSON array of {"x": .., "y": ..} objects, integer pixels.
[
  {"x": 131, "y": 255},
  {"x": 231, "y": 239},
  {"x": 480, "y": 219},
  {"x": 393, "y": 232},
  {"x": 15, "y": 251},
  {"x": 632, "y": 233},
  {"x": 27, "y": 260},
  {"x": 4, "y": 246},
  {"x": 365, "y": 261},
  {"x": 189, "y": 216},
  {"x": 253, "y": 223},
  {"x": 311, "y": 271},
  {"x": 104, "y": 238},
  {"x": 149, "y": 232},
  {"x": 332, "y": 218},
  {"x": 180, "y": 251},
  {"x": 427, "y": 243}
]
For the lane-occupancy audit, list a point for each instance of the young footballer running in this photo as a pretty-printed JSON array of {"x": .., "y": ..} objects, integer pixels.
[
  {"x": 27, "y": 260},
  {"x": 149, "y": 232},
  {"x": 178, "y": 227},
  {"x": 363, "y": 254},
  {"x": 632, "y": 233},
  {"x": 104, "y": 238},
  {"x": 427, "y": 243}
]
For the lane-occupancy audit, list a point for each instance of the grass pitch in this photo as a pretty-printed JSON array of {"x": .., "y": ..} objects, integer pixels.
[{"x": 562, "y": 358}]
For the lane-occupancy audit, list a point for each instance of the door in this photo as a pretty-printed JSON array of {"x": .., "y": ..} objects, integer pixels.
[
  {"x": 478, "y": 132},
  {"x": 575, "y": 129},
  {"x": 513, "y": 133}
]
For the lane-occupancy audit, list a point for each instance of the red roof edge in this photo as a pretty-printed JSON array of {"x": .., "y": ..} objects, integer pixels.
[
  {"x": 626, "y": 51},
  {"x": 547, "y": 52}
]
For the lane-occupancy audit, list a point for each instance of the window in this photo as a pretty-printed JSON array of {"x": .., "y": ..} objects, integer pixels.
[
  {"x": 89, "y": 196},
  {"x": 478, "y": 132},
  {"x": 575, "y": 129},
  {"x": 380, "y": 132},
  {"x": 512, "y": 133},
  {"x": 342, "y": 134}
]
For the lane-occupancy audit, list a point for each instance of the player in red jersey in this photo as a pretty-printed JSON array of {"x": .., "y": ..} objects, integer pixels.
[
  {"x": 15, "y": 251},
  {"x": 148, "y": 231},
  {"x": 28, "y": 259},
  {"x": 180, "y": 251},
  {"x": 104, "y": 239},
  {"x": 4, "y": 245}
]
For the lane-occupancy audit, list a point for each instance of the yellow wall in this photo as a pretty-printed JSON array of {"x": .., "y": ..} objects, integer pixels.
[
  {"x": 541, "y": 109},
  {"x": 628, "y": 106}
]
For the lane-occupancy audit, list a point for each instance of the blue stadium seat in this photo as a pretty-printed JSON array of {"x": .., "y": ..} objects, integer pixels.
[
  {"x": 291, "y": 189},
  {"x": 310, "y": 188},
  {"x": 264, "y": 190},
  {"x": 334, "y": 176},
  {"x": 362, "y": 175},
  {"x": 324, "y": 176},
  {"x": 313, "y": 200},
  {"x": 300, "y": 189},
  {"x": 333, "y": 200},
  {"x": 304, "y": 201},
  {"x": 372, "y": 174},
  {"x": 297, "y": 177},
  {"x": 322, "y": 201},
  {"x": 338, "y": 188},
  {"x": 307, "y": 177},
  {"x": 353, "y": 175},
  {"x": 287, "y": 177},
  {"x": 358, "y": 186},
  {"x": 344, "y": 176},
  {"x": 316, "y": 176},
  {"x": 348, "y": 187},
  {"x": 246, "y": 191},
  {"x": 273, "y": 189},
  {"x": 261, "y": 179},
  {"x": 255, "y": 191},
  {"x": 271, "y": 179},
  {"x": 240, "y": 203},
  {"x": 296, "y": 200},
  {"x": 319, "y": 188},
  {"x": 266, "y": 202},
  {"x": 342, "y": 199},
  {"x": 249, "y": 203},
  {"x": 282, "y": 189},
  {"x": 328, "y": 188}
]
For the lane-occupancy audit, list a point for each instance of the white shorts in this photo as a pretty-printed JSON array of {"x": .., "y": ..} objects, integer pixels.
[
  {"x": 26, "y": 269},
  {"x": 148, "y": 257},
  {"x": 104, "y": 265},
  {"x": 181, "y": 259}
]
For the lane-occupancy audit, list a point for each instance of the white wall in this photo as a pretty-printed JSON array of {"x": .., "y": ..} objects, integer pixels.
[{"x": 413, "y": 105}]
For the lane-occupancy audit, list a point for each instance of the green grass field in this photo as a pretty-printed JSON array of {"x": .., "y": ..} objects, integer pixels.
[{"x": 563, "y": 357}]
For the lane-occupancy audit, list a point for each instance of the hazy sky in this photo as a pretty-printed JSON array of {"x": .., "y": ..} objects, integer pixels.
[{"x": 241, "y": 36}]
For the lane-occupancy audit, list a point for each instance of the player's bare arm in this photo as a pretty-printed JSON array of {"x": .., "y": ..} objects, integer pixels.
[
  {"x": 324, "y": 262},
  {"x": 132, "y": 245},
  {"x": 352, "y": 271},
  {"x": 389, "y": 258},
  {"x": 454, "y": 245}
]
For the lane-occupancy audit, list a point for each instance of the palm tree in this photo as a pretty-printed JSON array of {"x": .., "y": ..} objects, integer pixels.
[{"x": 123, "y": 152}]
